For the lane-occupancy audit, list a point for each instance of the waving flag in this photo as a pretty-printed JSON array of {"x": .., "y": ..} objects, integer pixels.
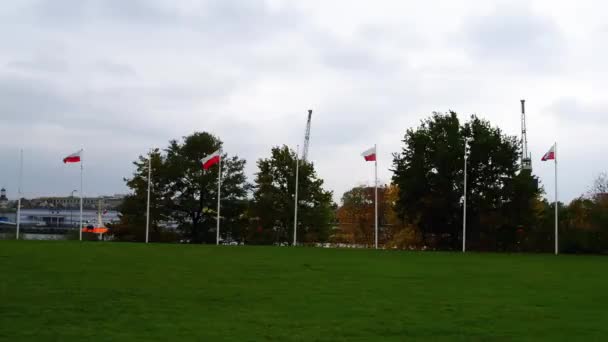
[
  {"x": 370, "y": 155},
  {"x": 73, "y": 158},
  {"x": 211, "y": 159},
  {"x": 550, "y": 155}
]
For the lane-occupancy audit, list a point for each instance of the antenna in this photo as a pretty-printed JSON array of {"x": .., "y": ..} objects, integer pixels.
[
  {"x": 526, "y": 160},
  {"x": 307, "y": 137}
]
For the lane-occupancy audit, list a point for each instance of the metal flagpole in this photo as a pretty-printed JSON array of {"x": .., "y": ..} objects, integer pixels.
[
  {"x": 81, "y": 192},
  {"x": 148, "y": 204},
  {"x": 219, "y": 184},
  {"x": 464, "y": 207},
  {"x": 556, "y": 203},
  {"x": 295, "y": 215},
  {"x": 376, "y": 198},
  {"x": 19, "y": 192}
]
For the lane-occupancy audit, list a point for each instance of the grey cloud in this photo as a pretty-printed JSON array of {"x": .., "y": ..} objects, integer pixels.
[
  {"x": 361, "y": 54},
  {"x": 224, "y": 21},
  {"x": 80, "y": 13},
  {"x": 516, "y": 35},
  {"x": 575, "y": 111},
  {"x": 47, "y": 64},
  {"x": 32, "y": 101},
  {"x": 115, "y": 69}
]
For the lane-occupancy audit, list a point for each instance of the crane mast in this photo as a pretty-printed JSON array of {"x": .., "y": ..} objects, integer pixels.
[
  {"x": 307, "y": 137},
  {"x": 526, "y": 159}
]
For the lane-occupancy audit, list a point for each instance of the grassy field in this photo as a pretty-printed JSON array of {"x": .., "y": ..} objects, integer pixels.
[{"x": 71, "y": 291}]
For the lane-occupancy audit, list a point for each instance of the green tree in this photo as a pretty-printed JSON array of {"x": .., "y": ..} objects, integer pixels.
[
  {"x": 133, "y": 208},
  {"x": 429, "y": 174},
  {"x": 273, "y": 207},
  {"x": 185, "y": 194}
]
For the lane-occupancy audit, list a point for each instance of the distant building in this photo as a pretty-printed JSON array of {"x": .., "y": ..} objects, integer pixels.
[
  {"x": 73, "y": 202},
  {"x": 3, "y": 199}
]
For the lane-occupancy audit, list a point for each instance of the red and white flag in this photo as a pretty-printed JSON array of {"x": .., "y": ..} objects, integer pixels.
[
  {"x": 73, "y": 158},
  {"x": 550, "y": 155},
  {"x": 212, "y": 159},
  {"x": 370, "y": 155}
]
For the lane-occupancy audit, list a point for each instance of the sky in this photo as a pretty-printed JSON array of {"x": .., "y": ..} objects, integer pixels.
[{"x": 119, "y": 77}]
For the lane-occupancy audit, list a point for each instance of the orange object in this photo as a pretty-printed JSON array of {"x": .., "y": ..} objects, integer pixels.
[{"x": 96, "y": 230}]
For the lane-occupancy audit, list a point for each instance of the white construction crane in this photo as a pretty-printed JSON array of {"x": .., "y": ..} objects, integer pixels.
[
  {"x": 526, "y": 158},
  {"x": 307, "y": 137}
]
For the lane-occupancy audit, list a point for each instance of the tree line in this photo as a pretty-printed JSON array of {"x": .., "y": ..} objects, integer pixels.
[
  {"x": 184, "y": 197},
  {"x": 422, "y": 207}
]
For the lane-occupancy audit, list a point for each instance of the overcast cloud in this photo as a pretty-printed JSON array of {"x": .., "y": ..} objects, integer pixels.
[{"x": 118, "y": 77}]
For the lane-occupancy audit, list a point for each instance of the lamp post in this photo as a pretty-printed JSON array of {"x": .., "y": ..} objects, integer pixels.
[{"x": 464, "y": 206}]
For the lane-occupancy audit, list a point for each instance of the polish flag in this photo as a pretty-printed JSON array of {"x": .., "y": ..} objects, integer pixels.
[
  {"x": 73, "y": 158},
  {"x": 550, "y": 155},
  {"x": 370, "y": 155},
  {"x": 211, "y": 159}
]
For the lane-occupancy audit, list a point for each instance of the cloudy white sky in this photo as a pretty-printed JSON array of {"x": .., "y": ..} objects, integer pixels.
[{"x": 118, "y": 77}]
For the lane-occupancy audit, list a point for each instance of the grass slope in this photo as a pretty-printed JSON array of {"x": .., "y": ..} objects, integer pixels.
[{"x": 70, "y": 291}]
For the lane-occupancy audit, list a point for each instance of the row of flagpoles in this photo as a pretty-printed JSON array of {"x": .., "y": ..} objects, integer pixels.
[
  {"x": 216, "y": 158},
  {"x": 369, "y": 156}
]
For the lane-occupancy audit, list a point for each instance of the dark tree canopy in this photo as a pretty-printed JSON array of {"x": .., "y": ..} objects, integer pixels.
[
  {"x": 186, "y": 195},
  {"x": 429, "y": 173},
  {"x": 273, "y": 208}
]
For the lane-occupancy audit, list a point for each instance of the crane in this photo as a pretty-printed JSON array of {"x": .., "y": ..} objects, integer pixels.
[
  {"x": 307, "y": 137},
  {"x": 526, "y": 160}
]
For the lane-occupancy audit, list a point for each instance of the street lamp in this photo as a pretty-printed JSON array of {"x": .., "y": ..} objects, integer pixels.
[
  {"x": 71, "y": 208},
  {"x": 464, "y": 207}
]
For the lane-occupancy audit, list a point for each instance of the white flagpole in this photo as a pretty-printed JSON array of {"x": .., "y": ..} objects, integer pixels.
[
  {"x": 219, "y": 184},
  {"x": 81, "y": 192},
  {"x": 556, "y": 203},
  {"x": 376, "y": 198},
  {"x": 295, "y": 215},
  {"x": 148, "y": 204},
  {"x": 19, "y": 192},
  {"x": 464, "y": 208}
]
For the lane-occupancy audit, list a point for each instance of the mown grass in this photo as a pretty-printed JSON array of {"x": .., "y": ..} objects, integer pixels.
[{"x": 71, "y": 291}]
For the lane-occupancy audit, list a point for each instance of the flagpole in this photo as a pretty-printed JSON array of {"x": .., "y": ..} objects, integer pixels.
[
  {"x": 148, "y": 204},
  {"x": 295, "y": 204},
  {"x": 376, "y": 198},
  {"x": 219, "y": 185},
  {"x": 80, "y": 227},
  {"x": 556, "y": 203},
  {"x": 19, "y": 192}
]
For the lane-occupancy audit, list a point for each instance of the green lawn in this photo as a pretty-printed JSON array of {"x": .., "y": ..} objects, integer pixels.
[{"x": 71, "y": 291}]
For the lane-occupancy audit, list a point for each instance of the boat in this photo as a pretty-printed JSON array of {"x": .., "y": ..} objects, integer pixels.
[{"x": 99, "y": 228}]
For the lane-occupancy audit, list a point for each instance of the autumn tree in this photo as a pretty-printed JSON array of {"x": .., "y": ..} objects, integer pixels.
[
  {"x": 356, "y": 216},
  {"x": 274, "y": 199}
]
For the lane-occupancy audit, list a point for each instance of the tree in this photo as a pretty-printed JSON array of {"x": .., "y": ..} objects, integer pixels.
[
  {"x": 273, "y": 207},
  {"x": 600, "y": 185},
  {"x": 133, "y": 208},
  {"x": 185, "y": 194},
  {"x": 356, "y": 216},
  {"x": 429, "y": 174}
]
